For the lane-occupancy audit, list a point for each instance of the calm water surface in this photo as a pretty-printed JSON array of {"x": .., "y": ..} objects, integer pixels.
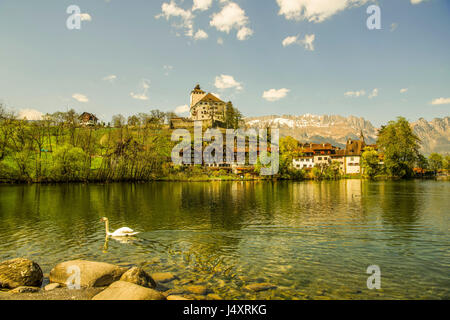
[{"x": 312, "y": 240}]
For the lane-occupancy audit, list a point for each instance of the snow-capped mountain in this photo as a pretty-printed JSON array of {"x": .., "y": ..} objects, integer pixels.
[
  {"x": 335, "y": 129},
  {"x": 319, "y": 129}
]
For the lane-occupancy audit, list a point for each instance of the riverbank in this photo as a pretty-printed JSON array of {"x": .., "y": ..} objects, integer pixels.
[
  {"x": 230, "y": 178},
  {"x": 22, "y": 279}
]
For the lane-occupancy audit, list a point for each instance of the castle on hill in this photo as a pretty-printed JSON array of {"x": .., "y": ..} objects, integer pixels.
[{"x": 205, "y": 107}]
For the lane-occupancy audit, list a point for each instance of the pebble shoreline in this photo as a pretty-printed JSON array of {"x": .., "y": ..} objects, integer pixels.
[{"x": 22, "y": 279}]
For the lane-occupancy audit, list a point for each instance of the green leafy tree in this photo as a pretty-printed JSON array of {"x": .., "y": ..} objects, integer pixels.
[
  {"x": 436, "y": 162},
  {"x": 400, "y": 147},
  {"x": 233, "y": 117},
  {"x": 370, "y": 162},
  {"x": 333, "y": 171},
  {"x": 69, "y": 163},
  {"x": 447, "y": 162},
  {"x": 422, "y": 162}
]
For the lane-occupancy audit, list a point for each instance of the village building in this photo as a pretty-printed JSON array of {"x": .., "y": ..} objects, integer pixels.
[
  {"x": 88, "y": 119},
  {"x": 353, "y": 153},
  {"x": 206, "y": 106}
]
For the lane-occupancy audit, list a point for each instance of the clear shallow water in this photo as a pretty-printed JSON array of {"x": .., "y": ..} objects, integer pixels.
[{"x": 312, "y": 240}]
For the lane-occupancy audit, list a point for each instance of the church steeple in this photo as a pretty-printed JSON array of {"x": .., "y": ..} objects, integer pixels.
[{"x": 361, "y": 136}]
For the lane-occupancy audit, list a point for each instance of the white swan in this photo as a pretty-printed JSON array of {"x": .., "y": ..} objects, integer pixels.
[{"x": 122, "y": 232}]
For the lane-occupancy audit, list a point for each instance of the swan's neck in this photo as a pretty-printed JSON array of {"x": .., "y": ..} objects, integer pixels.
[{"x": 107, "y": 227}]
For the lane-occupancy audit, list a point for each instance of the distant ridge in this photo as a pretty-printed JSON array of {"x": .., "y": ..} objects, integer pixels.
[{"x": 336, "y": 129}]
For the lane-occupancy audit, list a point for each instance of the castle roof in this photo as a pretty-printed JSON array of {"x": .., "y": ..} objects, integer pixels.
[{"x": 209, "y": 98}]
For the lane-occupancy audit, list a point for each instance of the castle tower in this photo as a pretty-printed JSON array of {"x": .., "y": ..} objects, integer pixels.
[{"x": 196, "y": 95}]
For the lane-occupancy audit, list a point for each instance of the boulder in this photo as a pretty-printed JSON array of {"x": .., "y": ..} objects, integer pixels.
[
  {"x": 20, "y": 272},
  {"x": 24, "y": 289},
  {"x": 138, "y": 276},
  {"x": 123, "y": 290},
  {"x": 198, "y": 290},
  {"x": 52, "y": 286},
  {"x": 260, "y": 287},
  {"x": 163, "y": 277},
  {"x": 92, "y": 274}
]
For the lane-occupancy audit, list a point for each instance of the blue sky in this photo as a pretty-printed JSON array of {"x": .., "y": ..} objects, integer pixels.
[{"x": 134, "y": 56}]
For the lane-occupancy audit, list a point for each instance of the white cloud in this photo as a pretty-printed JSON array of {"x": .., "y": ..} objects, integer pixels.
[
  {"x": 171, "y": 9},
  {"x": 220, "y": 41},
  {"x": 182, "y": 109},
  {"x": 275, "y": 95},
  {"x": 404, "y": 90},
  {"x": 227, "y": 82},
  {"x": 440, "y": 101},
  {"x": 307, "y": 41},
  {"x": 200, "y": 35},
  {"x": 290, "y": 40},
  {"x": 374, "y": 93},
  {"x": 314, "y": 10},
  {"x": 232, "y": 16},
  {"x": 355, "y": 93},
  {"x": 416, "y": 1},
  {"x": 29, "y": 114},
  {"x": 110, "y": 78},
  {"x": 145, "y": 85},
  {"x": 244, "y": 33},
  {"x": 201, "y": 5},
  {"x": 80, "y": 97}
]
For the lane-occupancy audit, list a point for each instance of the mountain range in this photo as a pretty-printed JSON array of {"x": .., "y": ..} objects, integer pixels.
[{"x": 335, "y": 129}]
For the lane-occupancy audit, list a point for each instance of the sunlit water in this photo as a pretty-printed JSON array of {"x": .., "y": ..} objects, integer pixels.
[{"x": 312, "y": 240}]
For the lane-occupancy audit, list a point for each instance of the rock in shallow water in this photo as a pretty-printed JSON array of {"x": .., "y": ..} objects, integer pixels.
[
  {"x": 260, "y": 287},
  {"x": 199, "y": 290},
  {"x": 122, "y": 290},
  {"x": 163, "y": 277},
  {"x": 138, "y": 276},
  {"x": 92, "y": 274},
  {"x": 20, "y": 272}
]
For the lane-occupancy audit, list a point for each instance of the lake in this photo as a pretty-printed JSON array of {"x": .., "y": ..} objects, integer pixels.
[{"x": 313, "y": 240}]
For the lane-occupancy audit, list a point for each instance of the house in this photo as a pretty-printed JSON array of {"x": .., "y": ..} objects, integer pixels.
[
  {"x": 88, "y": 119},
  {"x": 353, "y": 153},
  {"x": 206, "y": 106},
  {"x": 314, "y": 154}
]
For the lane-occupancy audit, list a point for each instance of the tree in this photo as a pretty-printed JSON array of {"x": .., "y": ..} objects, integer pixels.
[
  {"x": 333, "y": 171},
  {"x": 233, "y": 117},
  {"x": 422, "y": 162},
  {"x": 436, "y": 162},
  {"x": 447, "y": 162},
  {"x": 134, "y": 121},
  {"x": 400, "y": 147},
  {"x": 288, "y": 151},
  {"x": 118, "y": 121},
  {"x": 370, "y": 162}
]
